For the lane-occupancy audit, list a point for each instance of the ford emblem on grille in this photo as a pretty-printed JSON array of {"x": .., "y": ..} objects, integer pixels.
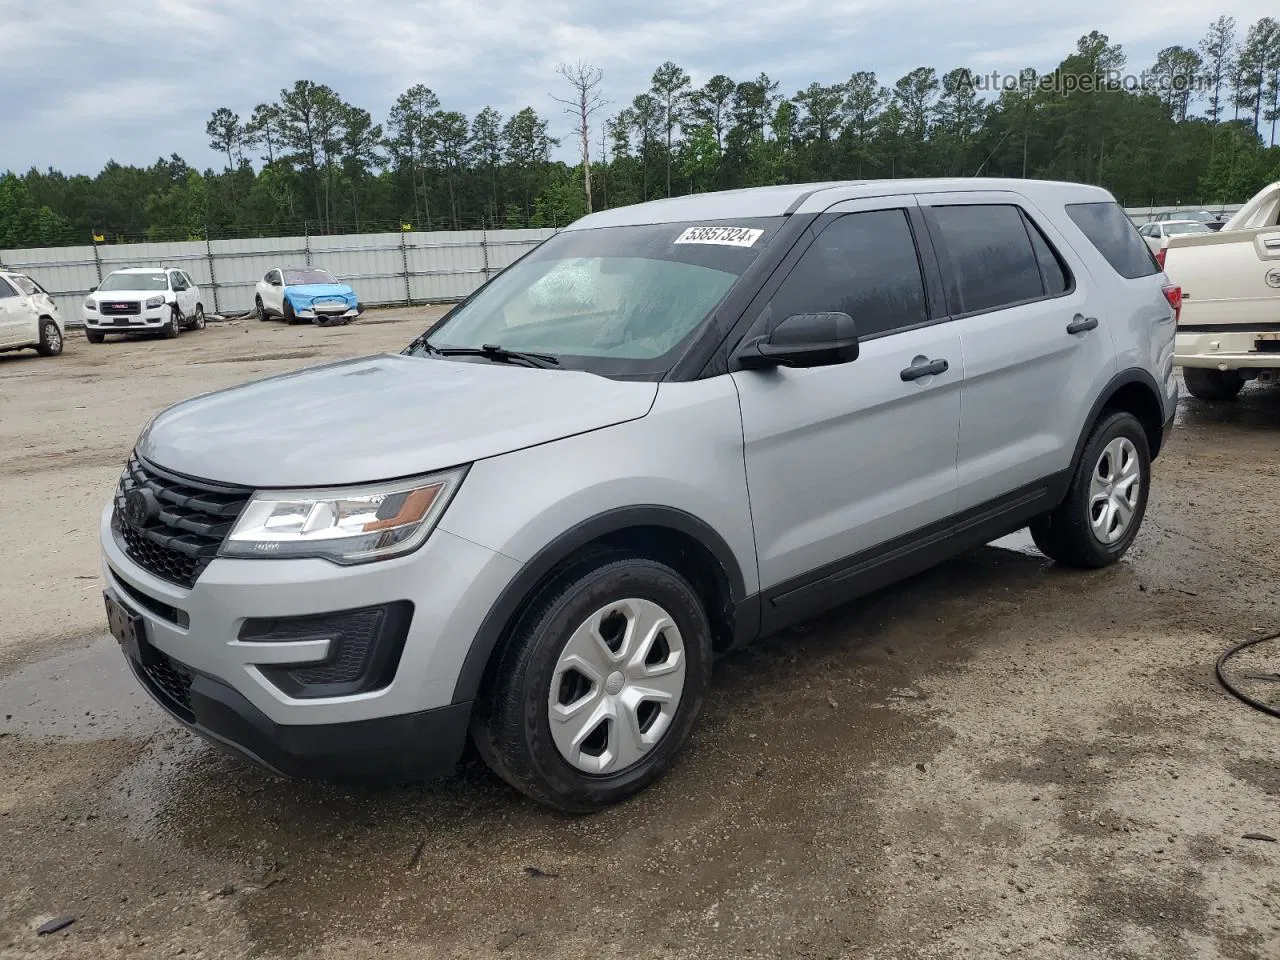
[{"x": 139, "y": 507}]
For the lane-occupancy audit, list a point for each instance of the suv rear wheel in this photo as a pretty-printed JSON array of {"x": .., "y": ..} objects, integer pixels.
[
  {"x": 1097, "y": 522},
  {"x": 1205, "y": 384},
  {"x": 599, "y": 686}
]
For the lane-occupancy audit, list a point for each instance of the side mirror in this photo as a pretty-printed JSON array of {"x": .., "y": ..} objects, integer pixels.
[
  {"x": 93, "y": 289},
  {"x": 803, "y": 340}
]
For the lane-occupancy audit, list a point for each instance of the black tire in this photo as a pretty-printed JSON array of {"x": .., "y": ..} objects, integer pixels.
[
  {"x": 1066, "y": 534},
  {"x": 50, "y": 339},
  {"x": 1206, "y": 384},
  {"x": 94, "y": 337},
  {"x": 511, "y": 724},
  {"x": 198, "y": 320},
  {"x": 172, "y": 329},
  {"x": 289, "y": 316},
  {"x": 261, "y": 308}
]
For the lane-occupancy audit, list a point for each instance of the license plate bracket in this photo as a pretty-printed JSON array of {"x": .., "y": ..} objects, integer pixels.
[{"x": 126, "y": 626}]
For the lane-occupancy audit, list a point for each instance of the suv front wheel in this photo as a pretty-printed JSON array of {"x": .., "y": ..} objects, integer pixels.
[
  {"x": 599, "y": 685},
  {"x": 173, "y": 326},
  {"x": 1097, "y": 522}
]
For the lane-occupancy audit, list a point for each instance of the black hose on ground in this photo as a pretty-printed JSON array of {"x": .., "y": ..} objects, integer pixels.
[{"x": 1235, "y": 691}]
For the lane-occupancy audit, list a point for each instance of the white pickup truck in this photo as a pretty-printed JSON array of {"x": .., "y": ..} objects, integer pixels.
[{"x": 1229, "y": 326}]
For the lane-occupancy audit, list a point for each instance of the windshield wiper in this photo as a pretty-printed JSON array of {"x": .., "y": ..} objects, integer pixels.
[{"x": 493, "y": 351}]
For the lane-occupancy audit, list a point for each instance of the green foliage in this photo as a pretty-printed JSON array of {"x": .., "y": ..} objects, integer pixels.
[
  {"x": 560, "y": 202},
  {"x": 1206, "y": 132},
  {"x": 22, "y": 222}
]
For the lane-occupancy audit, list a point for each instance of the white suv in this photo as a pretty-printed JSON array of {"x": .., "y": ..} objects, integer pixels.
[
  {"x": 141, "y": 300},
  {"x": 669, "y": 429},
  {"x": 28, "y": 316}
]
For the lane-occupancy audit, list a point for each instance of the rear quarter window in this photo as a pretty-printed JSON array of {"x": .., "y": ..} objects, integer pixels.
[{"x": 1111, "y": 231}]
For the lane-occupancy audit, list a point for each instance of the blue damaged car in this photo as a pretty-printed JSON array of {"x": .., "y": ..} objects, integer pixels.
[{"x": 304, "y": 294}]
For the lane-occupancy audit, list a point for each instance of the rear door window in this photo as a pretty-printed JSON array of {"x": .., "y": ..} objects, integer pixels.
[
  {"x": 988, "y": 261},
  {"x": 1111, "y": 231},
  {"x": 6, "y": 289},
  {"x": 862, "y": 264}
]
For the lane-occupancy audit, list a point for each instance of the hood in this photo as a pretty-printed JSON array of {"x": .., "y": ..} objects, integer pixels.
[
  {"x": 379, "y": 418},
  {"x": 310, "y": 290}
]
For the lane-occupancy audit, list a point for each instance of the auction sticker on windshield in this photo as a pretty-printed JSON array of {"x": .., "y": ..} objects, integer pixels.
[{"x": 724, "y": 236}]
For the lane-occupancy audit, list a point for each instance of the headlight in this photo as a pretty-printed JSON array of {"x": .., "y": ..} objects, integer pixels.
[
  {"x": 351, "y": 525},
  {"x": 91, "y": 304},
  {"x": 155, "y": 302}
]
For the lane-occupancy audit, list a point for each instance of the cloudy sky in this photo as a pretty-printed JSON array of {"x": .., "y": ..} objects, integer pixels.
[{"x": 84, "y": 81}]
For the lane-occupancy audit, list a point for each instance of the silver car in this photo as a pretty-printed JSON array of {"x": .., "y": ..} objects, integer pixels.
[{"x": 668, "y": 430}]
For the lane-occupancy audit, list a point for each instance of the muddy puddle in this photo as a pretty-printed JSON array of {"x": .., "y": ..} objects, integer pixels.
[{"x": 79, "y": 696}]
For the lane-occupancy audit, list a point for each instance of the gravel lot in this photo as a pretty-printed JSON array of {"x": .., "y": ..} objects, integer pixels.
[{"x": 998, "y": 758}]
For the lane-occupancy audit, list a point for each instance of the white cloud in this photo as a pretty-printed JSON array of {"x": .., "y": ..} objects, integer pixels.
[{"x": 85, "y": 81}]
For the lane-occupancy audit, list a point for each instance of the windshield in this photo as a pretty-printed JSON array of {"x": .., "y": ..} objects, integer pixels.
[
  {"x": 135, "y": 281},
  {"x": 1196, "y": 227},
  {"x": 293, "y": 278},
  {"x": 614, "y": 300}
]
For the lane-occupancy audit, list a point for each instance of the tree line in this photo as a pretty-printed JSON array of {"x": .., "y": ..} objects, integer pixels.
[{"x": 1199, "y": 125}]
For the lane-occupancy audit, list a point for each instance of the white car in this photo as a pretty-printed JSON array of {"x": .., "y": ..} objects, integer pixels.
[
  {"x": 1156, "y": 232},
  {"x": 143, "y": 300},
  {"x": 303, "y": 294},
  {"x": 28, "y": 316}
]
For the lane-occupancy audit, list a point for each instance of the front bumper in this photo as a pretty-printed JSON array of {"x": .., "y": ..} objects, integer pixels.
[
  {"x": 1225, "y": 351},
  {"x": 152, "y": 319},
  {"x": 409, "y": 725},
  {"x": 326, "y": 311},
  {"x": 405, "y": 747}
]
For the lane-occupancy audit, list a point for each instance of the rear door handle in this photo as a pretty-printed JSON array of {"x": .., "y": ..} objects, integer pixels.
[
  {"x": 926, "y": 368},
  {"x": 1081, "y": 324}
]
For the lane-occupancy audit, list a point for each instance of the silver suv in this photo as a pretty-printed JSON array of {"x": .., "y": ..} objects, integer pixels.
[{"x": 666, "y": 431}]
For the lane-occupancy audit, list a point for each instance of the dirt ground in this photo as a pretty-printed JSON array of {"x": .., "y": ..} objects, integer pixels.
[{"x": 998, "y": 758}]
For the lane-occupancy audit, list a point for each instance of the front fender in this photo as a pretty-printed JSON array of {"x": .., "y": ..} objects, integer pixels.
[
  {"x": 680, "y": 467},
  {"x": 555, "y": 553}
]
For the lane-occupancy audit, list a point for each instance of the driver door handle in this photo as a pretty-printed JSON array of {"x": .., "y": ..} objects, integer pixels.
[
  {"x": 918, "y": 371},
  {"x": 1081, "y": 324}
]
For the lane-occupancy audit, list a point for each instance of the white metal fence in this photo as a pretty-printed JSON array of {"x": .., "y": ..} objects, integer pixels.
[
  {"x": 1141, "y": 215},
  {"x": 383, "y": 268}
]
